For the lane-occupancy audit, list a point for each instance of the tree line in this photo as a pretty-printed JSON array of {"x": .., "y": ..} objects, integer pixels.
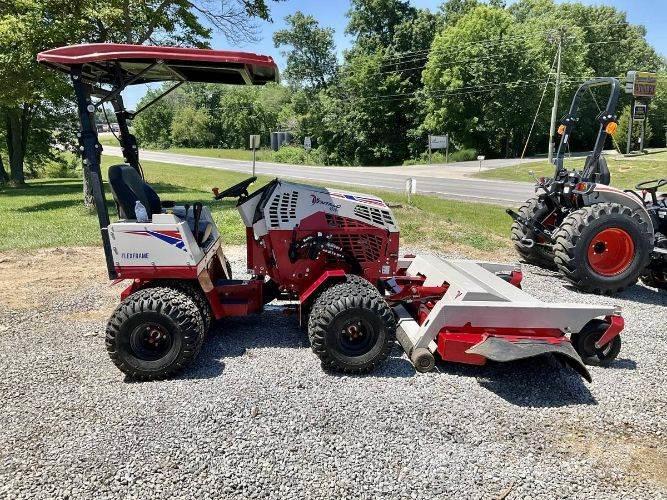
[{"x": 476, "y": 70}]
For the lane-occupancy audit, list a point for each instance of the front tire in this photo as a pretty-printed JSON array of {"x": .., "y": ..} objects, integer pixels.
[
  {"x": 154, "y": 333},
  {"x": 603, "y": 248},
  {"x": 351, "y": 327}
]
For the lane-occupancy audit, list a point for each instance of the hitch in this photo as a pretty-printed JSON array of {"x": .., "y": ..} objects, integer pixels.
[{"x": 532, "y": 226}]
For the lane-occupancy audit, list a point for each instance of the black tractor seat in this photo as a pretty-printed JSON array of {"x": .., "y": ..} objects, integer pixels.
[{"x": 127, "y": 187}]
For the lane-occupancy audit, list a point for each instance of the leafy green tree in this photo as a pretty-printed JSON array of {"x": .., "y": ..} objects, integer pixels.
[
  {"x": 311, "y": 51},
  {"x": 190, "y": 127},
  {"x": 30, "y": 26},
  {"x": 152, "y": 126},
  {"x": 373, "y": 23}
]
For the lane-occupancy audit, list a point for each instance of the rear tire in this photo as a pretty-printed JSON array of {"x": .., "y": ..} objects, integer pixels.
[
  {"x": 154, "y": 333},
  {"x": 603, "y": 248},
  {"x": 539, "y": 255},
  {"x": 584, "y": 343},
  {"x": 192, "y": 290},
  {"x": 351, "y": 327}
]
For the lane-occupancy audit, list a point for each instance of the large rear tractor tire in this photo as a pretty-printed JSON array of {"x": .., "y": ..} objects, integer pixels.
[
  {"x": 351, "y": 327},
  {"x": 154, "y": 333},
  {"x": 603, "y": 248},
  {"x": 540, "y": 254},
  {"x": 584, "y": 343}
]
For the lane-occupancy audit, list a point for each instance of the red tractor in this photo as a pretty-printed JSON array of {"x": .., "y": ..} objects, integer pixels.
[{"x": 334, "y": 253}]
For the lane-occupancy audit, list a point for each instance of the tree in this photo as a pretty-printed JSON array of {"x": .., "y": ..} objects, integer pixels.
[
  {"x": 190, "y": 127},
  {"x": 30, "y": 26},
  {"x": 153, "y": 125},
  {"x": 311, "y": 51},
  {"x": 373, "y": 23}
]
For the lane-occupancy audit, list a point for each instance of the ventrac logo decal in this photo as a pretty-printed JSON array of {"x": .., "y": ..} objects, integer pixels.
[
  {"x": 319, "y": 201},
  {"x": 172, "y": 237}
]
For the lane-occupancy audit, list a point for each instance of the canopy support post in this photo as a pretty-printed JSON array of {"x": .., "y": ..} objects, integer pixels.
[{"x": 91, "y": 152}]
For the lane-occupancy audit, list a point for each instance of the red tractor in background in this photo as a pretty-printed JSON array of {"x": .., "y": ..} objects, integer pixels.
[{"x": 335, "y": 253}]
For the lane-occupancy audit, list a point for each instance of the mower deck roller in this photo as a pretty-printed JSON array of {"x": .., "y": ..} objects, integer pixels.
[
  {"x": 334, "y": 253},
  {"x": 483, "y": 316}
]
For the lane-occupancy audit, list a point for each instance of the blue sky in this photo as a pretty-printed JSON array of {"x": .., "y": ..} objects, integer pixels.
[{"x": 650, "y": 13}]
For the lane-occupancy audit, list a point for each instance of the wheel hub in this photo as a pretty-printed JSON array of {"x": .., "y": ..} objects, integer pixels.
[
  {"x": 150, "y": 341},
  {"x": 611, "y": 252}
]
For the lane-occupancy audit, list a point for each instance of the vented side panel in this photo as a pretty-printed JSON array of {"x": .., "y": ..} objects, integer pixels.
[
  {"x": 374, "y": 215},
  {"x": 282, "y": 209}
]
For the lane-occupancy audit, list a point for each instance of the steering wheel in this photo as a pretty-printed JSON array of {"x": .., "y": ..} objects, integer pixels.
[
  {"x": 652, "y": 187},
  {"x": 235, "y": 191}
]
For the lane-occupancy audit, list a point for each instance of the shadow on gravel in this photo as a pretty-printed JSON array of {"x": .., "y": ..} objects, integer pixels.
[
  {"x": 541, "y": 382},
  {"x": 644, "y": 295},
  {"x": 637, "y": 293}
]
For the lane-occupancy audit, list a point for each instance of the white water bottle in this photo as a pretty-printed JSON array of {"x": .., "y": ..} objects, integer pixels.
[{"x": 140, "y": 212}]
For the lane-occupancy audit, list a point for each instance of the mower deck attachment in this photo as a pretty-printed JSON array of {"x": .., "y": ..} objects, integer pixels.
[{"x": 483, "y": 316}]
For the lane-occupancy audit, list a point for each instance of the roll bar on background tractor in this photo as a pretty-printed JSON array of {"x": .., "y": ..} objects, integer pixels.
[
  {"x": 103, "y": 71},
  {"x": 606, "y": 117}
]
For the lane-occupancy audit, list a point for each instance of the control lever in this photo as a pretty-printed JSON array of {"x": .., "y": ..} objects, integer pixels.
[{"x": 196, "y": 210}]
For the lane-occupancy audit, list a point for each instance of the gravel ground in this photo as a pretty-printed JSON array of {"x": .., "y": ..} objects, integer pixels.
[{"x": 256, "y": 416}]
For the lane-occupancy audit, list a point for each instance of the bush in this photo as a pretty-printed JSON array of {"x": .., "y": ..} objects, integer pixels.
[
  {"x": 62, "y": 167},
  {"x": 440, "y": 157},
  {"x": 466, "y": 154},
  {"x": 297, "y": 155}
]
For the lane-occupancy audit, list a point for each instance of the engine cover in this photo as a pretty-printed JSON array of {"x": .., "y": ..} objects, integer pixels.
[{"x": 294, "y": 231}]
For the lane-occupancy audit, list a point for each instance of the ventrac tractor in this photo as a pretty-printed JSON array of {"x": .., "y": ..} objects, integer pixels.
[
  {"x": 333, "y": 253},
  {"x": 602, "y": 239}
]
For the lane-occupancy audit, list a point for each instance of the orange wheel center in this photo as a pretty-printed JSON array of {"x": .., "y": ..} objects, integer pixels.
[{"x": 611, "y": 251}]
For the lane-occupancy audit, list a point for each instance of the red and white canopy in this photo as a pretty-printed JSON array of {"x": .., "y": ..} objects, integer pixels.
[{"x": 101, "y": 63}]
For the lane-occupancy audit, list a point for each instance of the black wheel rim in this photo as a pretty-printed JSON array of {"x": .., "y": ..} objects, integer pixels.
[
  {"x": 150, "y": 341},
  {"x": 590, "y": 350},
  {"x": 356, "y": 337}
]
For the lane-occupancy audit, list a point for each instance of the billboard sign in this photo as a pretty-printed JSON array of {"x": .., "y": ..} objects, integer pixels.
[
  {"x": 642, "y": 83},
  {"x": 438, "y": 141}
]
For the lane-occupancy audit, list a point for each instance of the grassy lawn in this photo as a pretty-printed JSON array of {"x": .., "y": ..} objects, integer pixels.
[
  {"x": 49, "y": 213},
  {"x": 625, "y": 172}
]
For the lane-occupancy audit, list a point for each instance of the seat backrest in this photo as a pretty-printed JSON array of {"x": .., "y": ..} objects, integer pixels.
[{"x": 127, "y": 187}]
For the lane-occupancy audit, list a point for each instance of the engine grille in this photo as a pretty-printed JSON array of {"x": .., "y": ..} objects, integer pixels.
[
  {"x": 374, "y": 215},
  {"x": 283, "y": 208},
  {"x": 363, "y": 247}
]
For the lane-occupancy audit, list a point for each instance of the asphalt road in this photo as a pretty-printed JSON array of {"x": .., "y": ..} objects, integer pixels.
[{"x": 443, "y": 183}]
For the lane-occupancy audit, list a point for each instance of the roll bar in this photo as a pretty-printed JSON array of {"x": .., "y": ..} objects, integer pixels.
[
  {"x": 103, "y": 71},
  {"x": 570, "y": 120}
]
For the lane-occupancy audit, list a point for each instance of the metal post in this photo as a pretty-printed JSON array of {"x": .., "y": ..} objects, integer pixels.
[
  {"x": 641, "y": 146},
  {"x": 128, "y": 143},
  {"x": 429, "y": 152},
  {"x": 91, "y": 153},
  {"x": 629, "y": 146},
  {"x": 253, "y": 161},
  {"x": 447, "y": 150},
  {"x": 554, "y": 110}
]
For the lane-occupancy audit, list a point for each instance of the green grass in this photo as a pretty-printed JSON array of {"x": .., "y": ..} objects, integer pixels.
[
  {"x": 625, "y": 172},
  {"x": 49, "y": 212}
]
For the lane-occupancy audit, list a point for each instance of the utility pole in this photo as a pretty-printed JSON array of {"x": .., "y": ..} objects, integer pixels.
[{"x": 554, "y": 110}]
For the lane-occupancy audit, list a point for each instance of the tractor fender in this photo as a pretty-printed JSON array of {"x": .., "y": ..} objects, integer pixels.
[
  {"x": 608, "y": 194},
  {"x": 330, "y": 275}
]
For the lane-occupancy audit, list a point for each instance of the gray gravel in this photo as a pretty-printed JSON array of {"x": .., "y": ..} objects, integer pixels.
[{"x": 256, "y": 417}]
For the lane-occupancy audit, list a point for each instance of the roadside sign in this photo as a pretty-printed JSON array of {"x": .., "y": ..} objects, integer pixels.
[
  {"x": 641, "y": 83},
  {"x": 639, "y": 112},
  {"x": 307, "y": 143},
  {"x": 438, "y": 141},
  {"x": 255, "y": 141},
  {"x": 411, "y": 185},
  {"x": 481, "y": 158}
]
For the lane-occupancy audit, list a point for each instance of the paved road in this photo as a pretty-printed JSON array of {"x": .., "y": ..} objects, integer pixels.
[{"x": 432, "y": 180}]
